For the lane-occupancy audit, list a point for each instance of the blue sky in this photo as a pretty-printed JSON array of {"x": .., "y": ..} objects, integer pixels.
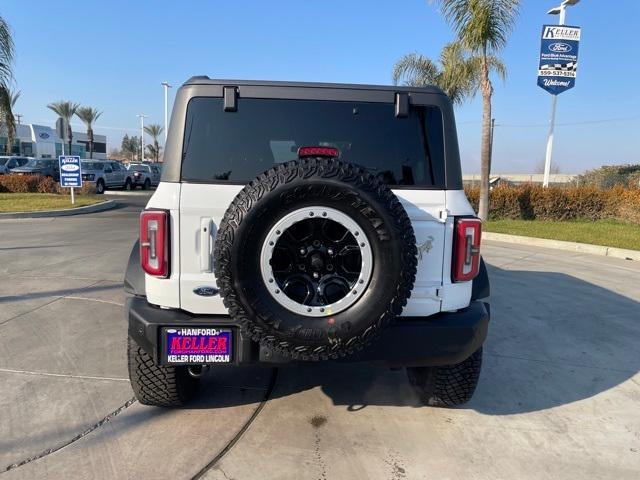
[{"x": 113, "y": 55}]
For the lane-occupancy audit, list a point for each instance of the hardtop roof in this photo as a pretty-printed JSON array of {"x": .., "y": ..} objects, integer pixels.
[{"x": 205, "y": 80}]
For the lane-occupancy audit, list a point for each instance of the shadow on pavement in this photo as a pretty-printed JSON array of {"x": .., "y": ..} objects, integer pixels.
[
  {"x": 553, "y": 340},
  {"x": 59, "y": 293}
]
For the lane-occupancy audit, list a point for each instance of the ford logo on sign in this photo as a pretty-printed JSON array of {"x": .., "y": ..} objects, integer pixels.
[
  {"x": 70, "y": 167},
  {"x": 44, "y": 135},
  {"x": 560, "y": 47}
]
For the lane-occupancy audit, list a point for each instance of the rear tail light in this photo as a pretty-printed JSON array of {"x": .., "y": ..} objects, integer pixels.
[
  {"x": 466, "y": 249},
  {"x": 154, "y": 242}
]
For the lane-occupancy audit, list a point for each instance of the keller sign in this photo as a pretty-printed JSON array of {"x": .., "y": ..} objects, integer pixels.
[
  {"x": 558, "y": 58},
  {"x": 70, "y": 171}
]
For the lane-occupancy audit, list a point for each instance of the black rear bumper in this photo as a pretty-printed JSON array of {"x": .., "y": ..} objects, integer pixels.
[{"x": 442, "y": 339}]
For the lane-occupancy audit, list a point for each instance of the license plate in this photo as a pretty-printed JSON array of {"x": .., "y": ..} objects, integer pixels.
[{"x": 197, "y": 345}]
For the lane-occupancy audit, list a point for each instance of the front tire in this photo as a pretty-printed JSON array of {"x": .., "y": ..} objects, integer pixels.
[
  {"x": 100, "y": 187},
  {"x": 157, "y": 385},
  {"x": 449, "y": 385},
  {"x": 146, "y": 185},
  {"x": 128, "y": 186}
]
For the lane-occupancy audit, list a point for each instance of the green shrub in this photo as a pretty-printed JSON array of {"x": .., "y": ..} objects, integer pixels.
[
  {"x": 20, "y": 183},
  {"x": 86, "y": 189},
  {"x": 38, "y": 184},
  {"x": 609, "y": 176},
  {"x": 532, "y": 202},
  {"x": 47, "y": 185}
]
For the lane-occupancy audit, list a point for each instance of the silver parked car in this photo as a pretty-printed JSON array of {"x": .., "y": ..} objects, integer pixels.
[
  {"x": 145, "y": 175},
  {"x": 7, "y": 163},
  {"x": 106, "y": 174}
]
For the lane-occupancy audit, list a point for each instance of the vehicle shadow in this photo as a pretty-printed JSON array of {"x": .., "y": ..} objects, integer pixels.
[
  {"x": 61, "y": 292},
  {"x": 553, "y": 339}
]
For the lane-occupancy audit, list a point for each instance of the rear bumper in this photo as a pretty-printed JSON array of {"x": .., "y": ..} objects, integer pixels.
[{"x": 442, "y": 339}]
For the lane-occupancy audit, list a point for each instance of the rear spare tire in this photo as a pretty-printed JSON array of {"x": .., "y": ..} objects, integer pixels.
[{"x": 314, "y": 258}]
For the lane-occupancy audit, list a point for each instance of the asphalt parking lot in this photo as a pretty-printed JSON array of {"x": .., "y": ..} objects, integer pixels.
[{"x": 558, "y": 397}]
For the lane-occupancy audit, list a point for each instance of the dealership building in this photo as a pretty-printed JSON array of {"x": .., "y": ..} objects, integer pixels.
[{"x": 40, "y": 141}]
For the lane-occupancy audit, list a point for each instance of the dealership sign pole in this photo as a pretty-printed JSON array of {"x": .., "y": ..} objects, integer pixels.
[
  {"x": 70, "y": 173},
  {"x": 557, "y": 70}
]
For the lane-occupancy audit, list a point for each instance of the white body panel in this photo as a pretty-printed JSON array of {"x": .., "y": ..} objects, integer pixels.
[
  {"x": 165, "y": 292},
  {"x": 197, "y": 209}
]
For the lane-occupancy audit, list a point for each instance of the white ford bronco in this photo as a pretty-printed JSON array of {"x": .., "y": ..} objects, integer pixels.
[{"x": 302, "y": 222}]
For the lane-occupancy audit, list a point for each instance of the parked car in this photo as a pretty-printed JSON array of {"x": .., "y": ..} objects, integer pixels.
[
  {"x": 303, "y": 222},
  {"x": 106, "y": 174},
  {"x": 45, "y": 166},
  {"x": 145, "y": 175},
  {"x": 8, "y": 163}
]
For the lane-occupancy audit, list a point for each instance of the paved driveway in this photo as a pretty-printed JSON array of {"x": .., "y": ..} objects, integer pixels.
[{"x": 558, "y": 397}]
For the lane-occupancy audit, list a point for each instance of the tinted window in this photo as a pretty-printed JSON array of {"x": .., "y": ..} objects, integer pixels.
[
  {"x": 41, "y": 163},
  {"x": 237, "y": 146},
  {"x": 92, "y": 166},
  {"x": 139, "y": 168}
]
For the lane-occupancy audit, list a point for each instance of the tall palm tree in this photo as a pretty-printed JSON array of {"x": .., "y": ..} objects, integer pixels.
[
  {"x": 457, "y": 74},
  {"x": 14, "y": 95},
  {"x": 153, "y": 151},
  {"x": 482, "y": 27},
  {"x": 65, "y": 110},
  {"x": 6, "y": 54},
  {"x": 154, "y": 131},
  {"x": 88, "y": 115},
  {"x": 7, "y": 119}
]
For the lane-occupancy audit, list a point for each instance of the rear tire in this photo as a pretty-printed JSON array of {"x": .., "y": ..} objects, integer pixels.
[
  {"x": 146, "y": 185},
  {"x": 449, "y": 385},
  {"x": 100, "y": 188},
  {"x": 157, "y": 385}
]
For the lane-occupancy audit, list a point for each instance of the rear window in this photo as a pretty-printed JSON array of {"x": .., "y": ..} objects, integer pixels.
[
  {"x": 139, "y": 168},
  {"x": 41, "y": 163},
  {"x": 234, "y": 147}
]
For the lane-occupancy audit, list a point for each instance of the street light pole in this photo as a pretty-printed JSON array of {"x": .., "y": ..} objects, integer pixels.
[
  {"x": 562, "y": 11},
  {"x": 142, "y": 116},
  {"x": 166, "y": 109}
]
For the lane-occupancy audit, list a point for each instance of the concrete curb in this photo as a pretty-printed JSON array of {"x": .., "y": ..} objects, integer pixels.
[
  {"x": 98, "y": 207},
  {"x": 561, "y": 245},
  {"x": 135, "y": 193}
]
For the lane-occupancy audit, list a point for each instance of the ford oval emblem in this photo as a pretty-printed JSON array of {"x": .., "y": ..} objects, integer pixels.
[
  {"x": 70, "y": 167},
  {"x": 205, "y": 291},
  {"x": 560, "y": 47},
  {"x": 44, "y": 135}
]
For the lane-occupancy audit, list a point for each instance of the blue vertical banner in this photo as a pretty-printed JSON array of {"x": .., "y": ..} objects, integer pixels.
[
  {"x": 70, "y": 171},
  {"x": 558, "y": 58}
]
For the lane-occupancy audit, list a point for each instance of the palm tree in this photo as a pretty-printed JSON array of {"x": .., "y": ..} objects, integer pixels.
[
  {"x": 88, "y": 115},
  {"x": 66, "y": 111},
  {"x": 482, "y": 27},
  {"x": 153, "y": 151},
  {"x": 7, "y": 119},
  {"x": 6, "y": 54},
  {"x": 458, "y": 72},
  {"x": 154, "y": 131}
]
